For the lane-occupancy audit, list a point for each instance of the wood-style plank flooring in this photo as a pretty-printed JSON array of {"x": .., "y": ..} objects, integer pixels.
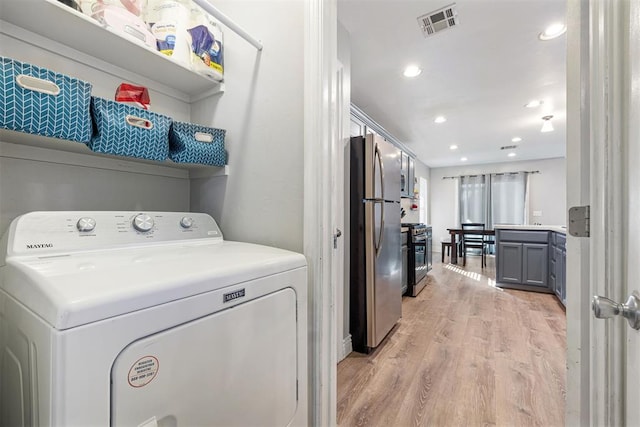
[{"x": 465, "y": 353}]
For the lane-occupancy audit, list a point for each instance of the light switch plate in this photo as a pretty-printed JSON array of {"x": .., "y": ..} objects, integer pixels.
[{"x": 537, "y": 213}]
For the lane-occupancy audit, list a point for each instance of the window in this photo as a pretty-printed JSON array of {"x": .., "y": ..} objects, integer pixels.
[
  {"x": 493, "y": 198},
  {"x": 423, "y": 201}
]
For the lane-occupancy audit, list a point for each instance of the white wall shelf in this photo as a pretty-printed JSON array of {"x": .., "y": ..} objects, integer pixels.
[
  {"x": 65, "y": 25},
  {"x": 50, "y": 22},
  {"x": 18, "y": 145}
]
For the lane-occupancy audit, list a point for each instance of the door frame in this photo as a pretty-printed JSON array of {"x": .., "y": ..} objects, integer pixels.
[
  {"x": 320, "y": 75},
  {"x": 578, "y": 189},
  {"x": 596, "y": 176}
]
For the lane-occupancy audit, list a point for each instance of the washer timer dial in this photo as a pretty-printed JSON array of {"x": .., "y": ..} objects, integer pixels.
[
  {"x": 186, "y": 222},
  {"x": 86, "y": 224},
  {"x": 143, "y": 222}
]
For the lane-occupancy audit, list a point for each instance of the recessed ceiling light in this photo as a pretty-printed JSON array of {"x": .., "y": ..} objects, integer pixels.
[
  {"x": 440, "y": 119},
  {"x": 511, "y": 154},
  {"x": 453, "y": 147},
  {"x": 463, "y": 159},
  {"x": 412, "y": 71},
  {"x": 534, "y": 103},
  {"x": 553, "y": 31},
  {"x": 516, "y": 139}
]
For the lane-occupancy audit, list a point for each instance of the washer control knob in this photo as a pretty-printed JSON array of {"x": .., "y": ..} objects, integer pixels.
[
  {"x": 186, "y": 222},
  {"x": 143, "y": 222},
  {"x": 86, "y": 224}
]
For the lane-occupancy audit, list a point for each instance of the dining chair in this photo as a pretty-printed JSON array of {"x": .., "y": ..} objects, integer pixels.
[
  {"x": 471, "y": 240},
  {"x": 446, "y": 244}
]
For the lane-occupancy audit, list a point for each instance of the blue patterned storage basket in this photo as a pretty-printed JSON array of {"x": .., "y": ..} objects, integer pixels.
[
  {"x": 125, "y": 130},
  {"x": 189, "y": 143},
  {"x": 40, "y": 101}
]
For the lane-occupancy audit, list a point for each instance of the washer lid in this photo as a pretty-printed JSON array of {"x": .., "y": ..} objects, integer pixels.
[{"x": 83, "y": 287}]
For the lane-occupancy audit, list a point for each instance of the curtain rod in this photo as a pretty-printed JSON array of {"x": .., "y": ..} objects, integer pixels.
[{"x": 489, "y": 173}]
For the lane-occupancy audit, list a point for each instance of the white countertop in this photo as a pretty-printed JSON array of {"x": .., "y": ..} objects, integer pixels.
[{"x": 556, "y": 228}]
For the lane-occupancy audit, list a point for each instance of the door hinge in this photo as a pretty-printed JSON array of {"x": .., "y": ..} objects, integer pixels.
[{"x": 579, "y": 224}]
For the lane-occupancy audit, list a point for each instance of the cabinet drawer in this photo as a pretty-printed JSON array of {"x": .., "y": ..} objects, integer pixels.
[
  {"x": 523, "y": 236},
  {"x": 561, "y": 240}
]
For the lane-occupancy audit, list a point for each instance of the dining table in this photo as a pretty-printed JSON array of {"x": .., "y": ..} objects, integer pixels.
[{"x": 454, "y": 232}]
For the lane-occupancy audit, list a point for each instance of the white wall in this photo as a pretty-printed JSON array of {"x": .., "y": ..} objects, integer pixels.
[
  {"x": 547, "y": 192},
  {"x": 421, "y": 171},
  {"x": 27, "y": 185},
  {"x": 261, "y": 200}
]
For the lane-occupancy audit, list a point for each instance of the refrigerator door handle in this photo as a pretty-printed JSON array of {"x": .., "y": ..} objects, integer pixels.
[
  {"x": 378, "y": 156},
  {"x": 381, "y": 234}
]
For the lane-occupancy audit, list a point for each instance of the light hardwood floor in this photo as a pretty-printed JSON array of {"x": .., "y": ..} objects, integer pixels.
[{"x": 465, "y": 353}]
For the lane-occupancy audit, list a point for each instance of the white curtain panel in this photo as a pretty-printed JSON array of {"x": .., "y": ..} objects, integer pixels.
[
  {"x": 473, "y": 195},
  {"x": 456, "y": 210},
  {"x": 508, "y": 198}
]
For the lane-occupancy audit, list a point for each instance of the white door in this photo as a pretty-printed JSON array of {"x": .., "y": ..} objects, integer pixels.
[{"x": 603, "y": 150}]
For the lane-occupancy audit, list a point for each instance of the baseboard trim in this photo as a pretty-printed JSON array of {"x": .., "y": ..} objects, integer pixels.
[{"x": 347, "y": 347}]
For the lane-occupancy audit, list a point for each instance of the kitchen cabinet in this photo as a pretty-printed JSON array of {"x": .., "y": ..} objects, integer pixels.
[
  {"x": 429, "y": 248},
  {"x": 357, "y": 128},
  {"x": 534, "y": 264},
  {"x": 557, "y": 269},
  {"x": 509, "y": 269},
  {"x": 405, "y": 261},
  {"x": 407, "y": 175},
  {"x": 522, "y": 259},
  {"x": 361, "y": 124},
  {"x": 412, "y": 177}
]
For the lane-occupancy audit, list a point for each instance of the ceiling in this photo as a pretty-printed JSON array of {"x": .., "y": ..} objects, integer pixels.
[{"x": 478, "y": 74}]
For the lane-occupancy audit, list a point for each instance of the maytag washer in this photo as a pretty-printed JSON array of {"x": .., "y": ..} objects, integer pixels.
[{"x": 148, "y": 319}]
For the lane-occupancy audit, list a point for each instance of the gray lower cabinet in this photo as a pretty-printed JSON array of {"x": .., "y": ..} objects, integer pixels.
[
  {"x": 405, "y": 262},
  {"x": 522, "y": 259},
  {"x": 561, "y": 274},
  {"x": 558, "y": 263},
  {"x": 532, "y": 260},
  {"x": 534, "y": 264},
  {"x": 510, "y": 269}
]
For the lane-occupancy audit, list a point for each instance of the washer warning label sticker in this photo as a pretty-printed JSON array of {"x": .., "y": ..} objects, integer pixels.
[{"x": 143, "y": 371}]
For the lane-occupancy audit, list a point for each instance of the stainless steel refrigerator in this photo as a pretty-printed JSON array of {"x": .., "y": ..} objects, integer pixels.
[{"x": 376, "y": 253}]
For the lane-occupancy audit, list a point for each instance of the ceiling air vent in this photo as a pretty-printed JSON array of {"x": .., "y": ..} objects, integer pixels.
[
  {"x": 438, "y": 20},
  {"x": 508, "y": 147}
]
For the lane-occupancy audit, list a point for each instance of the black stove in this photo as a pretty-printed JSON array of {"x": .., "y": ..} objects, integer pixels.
[
  {"x": 416, "y": 228},
  {"x": 420, "y": 260}
]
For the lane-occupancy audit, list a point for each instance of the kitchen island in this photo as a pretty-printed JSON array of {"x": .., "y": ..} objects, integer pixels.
[{"x": 531, "y": 258}]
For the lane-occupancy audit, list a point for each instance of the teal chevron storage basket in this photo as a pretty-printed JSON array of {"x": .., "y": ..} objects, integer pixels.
[
  {"x": 190, "y": 143},
  {"x": 39, "y": 101},
  {"x": 124, "y": 130}
]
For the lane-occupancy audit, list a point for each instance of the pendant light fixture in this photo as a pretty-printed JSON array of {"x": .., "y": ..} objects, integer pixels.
[{"x": 547, "y": 126}]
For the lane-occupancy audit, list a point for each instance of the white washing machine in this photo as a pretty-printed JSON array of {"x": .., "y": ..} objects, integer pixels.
[{"x": 148, "y": 319}]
